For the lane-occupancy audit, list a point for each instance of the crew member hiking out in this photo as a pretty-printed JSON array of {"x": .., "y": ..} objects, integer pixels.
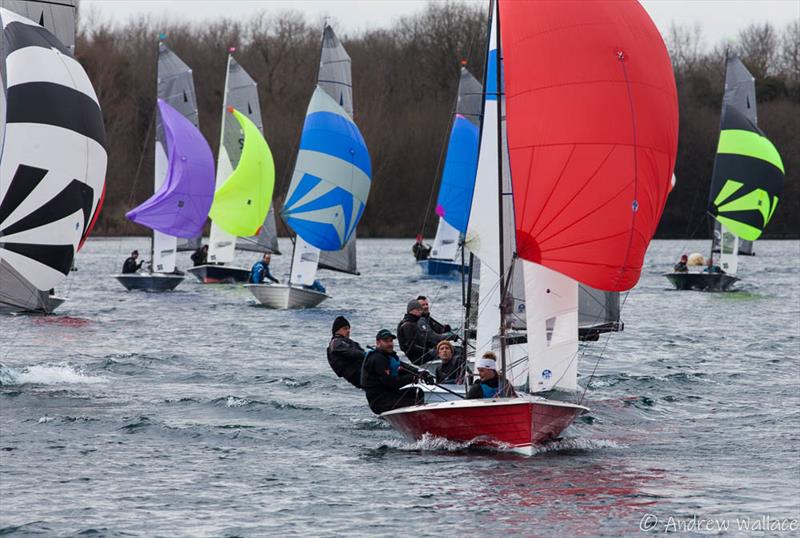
[
  {"x": 345, "y": 356},
  {"x": 384, "y": 376}
]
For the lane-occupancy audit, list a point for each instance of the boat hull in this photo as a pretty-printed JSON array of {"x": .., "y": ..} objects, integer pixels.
[
  {"x": 282, "y": 297},
  {"x": 440, "y": 267},
  {"x": 219, "y": 274},
  {"x": 515, "y": 424},
  {"x": 53, "y": 302},
  {"x": 149, "y": 282},
  {"x": 701, "y": 281}
]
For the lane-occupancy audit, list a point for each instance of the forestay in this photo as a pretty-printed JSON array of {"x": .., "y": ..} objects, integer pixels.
[{"x": 53, "y": 163}]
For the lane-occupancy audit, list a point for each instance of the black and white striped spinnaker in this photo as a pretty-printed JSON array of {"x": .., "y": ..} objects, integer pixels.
[{"x": 52, "y": 162}]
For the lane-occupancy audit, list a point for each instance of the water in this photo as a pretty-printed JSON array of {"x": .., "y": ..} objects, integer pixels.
[{"x": 196, "y": 413}]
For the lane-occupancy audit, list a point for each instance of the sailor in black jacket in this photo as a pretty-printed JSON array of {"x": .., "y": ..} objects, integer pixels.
[
  {"x": 345, "y": 356},
  {"x": 383, "y": 377},
  {"x": 130, "y": 265},
  {"x": 417, "y": 339}
]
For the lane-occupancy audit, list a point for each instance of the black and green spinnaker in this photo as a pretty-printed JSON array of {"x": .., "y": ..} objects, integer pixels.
[{"x": 747, "y": 179}]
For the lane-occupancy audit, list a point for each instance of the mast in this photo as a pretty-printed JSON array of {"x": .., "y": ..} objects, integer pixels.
[{"x": 503, "y": 283}]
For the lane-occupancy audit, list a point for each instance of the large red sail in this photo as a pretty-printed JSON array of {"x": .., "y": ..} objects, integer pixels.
[{"x": 592, "y": 133}]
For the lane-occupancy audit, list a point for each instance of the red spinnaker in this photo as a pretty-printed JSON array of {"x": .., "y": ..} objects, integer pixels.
[{"x": 592, "y": 132}]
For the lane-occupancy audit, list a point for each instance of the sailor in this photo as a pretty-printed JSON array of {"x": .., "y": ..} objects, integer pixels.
[
  {"x": 453, "y": 368},
  {"x": 260, "y": 270},
  {"x": 130, "y": 265},
  {"x": 711, "y": 267},
  {"x": 200, "y": 256},
  {"x": 316, "y": 286},
  {"x": 420, "y": 249},
  {"x": 426, "y": 313},
  {"x": 490, "y": 384},
  {"x": 681, "y": 266},
  {"x": 417, "y": 339},
  {"x": 383, "y": 377},
  {"x": 345, "y": 356}
]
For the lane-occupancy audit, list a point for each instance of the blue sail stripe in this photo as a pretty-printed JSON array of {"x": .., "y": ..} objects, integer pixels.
[
  {"x": 491, "y": 76},
  {"x": 334, "y": 135},
  {"x": 307, "y": 182},
  {"x": 458, "y": 178},
  {"x": 333, "y": 198},
  {"x": 320, "y": 234}
]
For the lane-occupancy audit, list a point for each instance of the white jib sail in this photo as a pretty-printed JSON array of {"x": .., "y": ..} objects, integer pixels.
[
  {"x": 304, "y": 263},
  {"x": 164, "y": 246},
  {"x": 728, "y": 251},
  {"x": 552, "y": 321},
  {"x": 445, "y": 244}
]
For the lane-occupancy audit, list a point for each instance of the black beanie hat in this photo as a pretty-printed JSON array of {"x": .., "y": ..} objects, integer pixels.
[{"x": 338, "y": 323}]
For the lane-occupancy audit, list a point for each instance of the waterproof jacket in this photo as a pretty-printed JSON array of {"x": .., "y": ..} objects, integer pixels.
[
  {"x": 382, "y": 377},
  {"x": 435, "y": 325},
  {"x": 130, "y": 266},
  {"x": 259, "y": 272},
  {"x": 451, "y": 371},
  {"x": 199, "y": 257},
  {"x": 346, "y": 358},
  {"x": 417, "y": 339},
  {"x": 489, "y": 389}
]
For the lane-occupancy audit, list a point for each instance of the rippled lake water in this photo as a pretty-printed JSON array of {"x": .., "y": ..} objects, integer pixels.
[{"x": 197, "y": 413}]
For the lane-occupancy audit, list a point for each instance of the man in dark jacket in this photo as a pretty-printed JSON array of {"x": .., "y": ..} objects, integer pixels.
[
  {"x": 345, "y": 356},
  {"x": 260, "y": 271},
  {"x": 453, "y": 368},
  {"x": 417, "y": 339},
  {"x": 130, "y": 265},
  {"x": 383, "y": 377},
  {"x": 200, "y": 256},
  {"x": 426, "y": 313}
]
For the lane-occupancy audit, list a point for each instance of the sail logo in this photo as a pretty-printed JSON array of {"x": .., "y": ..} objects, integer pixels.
[{"x": 546, "y": 374}]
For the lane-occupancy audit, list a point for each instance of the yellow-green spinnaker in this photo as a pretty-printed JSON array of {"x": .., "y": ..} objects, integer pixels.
[{"x": 241, "y": 204}]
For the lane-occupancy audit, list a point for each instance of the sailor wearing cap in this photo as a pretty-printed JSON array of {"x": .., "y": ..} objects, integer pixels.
[
  {"x": 383, "y": 376},
  {"x": 490, "y": 385}
]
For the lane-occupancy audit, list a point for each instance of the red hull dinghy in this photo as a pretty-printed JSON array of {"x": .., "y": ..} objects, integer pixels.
[{"x": 516, "y": 424}]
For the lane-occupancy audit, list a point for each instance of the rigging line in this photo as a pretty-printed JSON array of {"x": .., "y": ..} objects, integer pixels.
[
  {"x": 438, "y": 171},
  {"x": 141, "y": 156},
  {"x": 602, "y": 352}
]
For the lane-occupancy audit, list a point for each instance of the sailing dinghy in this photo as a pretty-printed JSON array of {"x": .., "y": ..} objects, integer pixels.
[
  {"x": 245, "y": 180},
  {"x": 329, "y": 187},
  {"x": 746, "y": 183},
  {"x": 583, "y": 200},
  {"x": 53, "y": 162},
  {"x": 184, "y": 177}
]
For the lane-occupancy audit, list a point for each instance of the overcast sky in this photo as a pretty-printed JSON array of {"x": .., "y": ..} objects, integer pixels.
[{"x": 719, "y": 19}]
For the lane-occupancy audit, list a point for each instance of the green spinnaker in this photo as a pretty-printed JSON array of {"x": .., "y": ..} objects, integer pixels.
[
  {"x": 241, "y": 204},
  {"x": 749, "y": 144}
]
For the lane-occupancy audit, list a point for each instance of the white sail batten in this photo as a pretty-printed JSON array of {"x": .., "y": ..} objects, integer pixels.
[{"x": 552, "y": 321}]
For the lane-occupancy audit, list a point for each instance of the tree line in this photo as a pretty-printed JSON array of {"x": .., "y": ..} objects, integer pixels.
[{"x": 404, "y": 85}]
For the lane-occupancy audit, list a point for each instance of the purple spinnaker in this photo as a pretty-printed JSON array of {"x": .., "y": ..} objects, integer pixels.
[{"x": 181, "y": 205}]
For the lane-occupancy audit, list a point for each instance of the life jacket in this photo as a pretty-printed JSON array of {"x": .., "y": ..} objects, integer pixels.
[
  {"x": 489, "y": 392},
  {"x": 394, "y": 365}
]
